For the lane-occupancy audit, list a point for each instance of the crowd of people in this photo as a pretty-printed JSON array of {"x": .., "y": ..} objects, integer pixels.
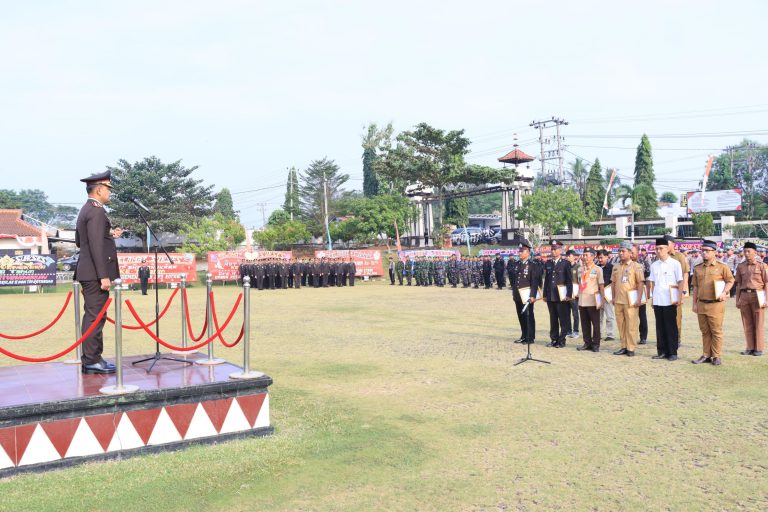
[{"x": 272, "y": 274}]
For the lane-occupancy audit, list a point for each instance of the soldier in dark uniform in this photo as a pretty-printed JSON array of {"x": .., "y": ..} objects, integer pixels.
[
  {"x": 498, "y": 269},
  {"x": 344, "y": 269},
  {"x": 526, "y": 274},
  {"x": 296, "y": 272},
  {"x": 352, "y": 272},
  {"x": 144, "y": 276},
  {"x": 557, "y": 272},
  {"x": 258, "y": 274},
  {"x": 391, "y": 268},
  {"x": 96, "y": 268},
  {"x": 285, "y": 268},
  {"x": 511, "y": 269}
]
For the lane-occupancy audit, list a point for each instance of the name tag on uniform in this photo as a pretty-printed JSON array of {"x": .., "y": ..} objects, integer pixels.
[{"x": 624, "y": 279}]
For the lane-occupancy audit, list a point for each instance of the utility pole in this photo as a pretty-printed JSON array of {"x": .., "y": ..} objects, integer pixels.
[
  {"x": 556, "y": 154},
  {"x": 325, "y": 208},
  {"x": 263, "y": 208},
  {"x": 290, "y": 188}
]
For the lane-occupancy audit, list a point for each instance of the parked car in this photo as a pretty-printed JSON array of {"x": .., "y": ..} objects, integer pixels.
[
  {"x": 459, "y": 236},
  {"x": 69, "y": 263}
]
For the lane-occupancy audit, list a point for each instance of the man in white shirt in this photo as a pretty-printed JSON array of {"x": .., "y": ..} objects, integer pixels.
[{"x": 666, "y": 275}]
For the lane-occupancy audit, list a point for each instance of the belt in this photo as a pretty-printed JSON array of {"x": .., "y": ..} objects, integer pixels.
[
  {"x": 708, "y": 301},
  {"x": 749, "y": 290}
]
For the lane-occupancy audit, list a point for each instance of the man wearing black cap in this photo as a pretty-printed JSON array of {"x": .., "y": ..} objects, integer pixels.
[
  {"x": 526, "y": 280},
  {"x": 712, "y": 282},
  {"x": 627, "y": 286},
  {"x": 558, "y": 290},
  {"x": 666, "y": 279},
  {"x": 683, "y": 261},
  {"x": 97, "y": 266},
  {"x": 144, "y": 276},
  {"x": 752, "y": 282}
]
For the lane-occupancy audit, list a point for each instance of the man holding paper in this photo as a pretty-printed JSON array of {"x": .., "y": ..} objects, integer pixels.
[
  {"x": 752, "y": 280},
  {"x": 712, "y": 282},
  {"x": 627, "y": 285},
  {"x": 526, "y": 280},
  {"x": 590, "y": 284},
  {"x": 558, "y": 290},
  {"x": 667, "y": 281}
]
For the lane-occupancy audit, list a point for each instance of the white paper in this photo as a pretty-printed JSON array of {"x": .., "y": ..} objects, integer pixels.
[
  {"x": 525, "y": 294},
  {"x": 719, "y": 288},
  {"x": 608, "y": 292},
  {"x": 760, "y": 297},
  {"x": 632, "y": 297},
  {"x": 575, "y": 289},
  {"x": 562, "y": 291},
  {"x": 674, "y": 294},
  {"x": 598, "y": 300}
]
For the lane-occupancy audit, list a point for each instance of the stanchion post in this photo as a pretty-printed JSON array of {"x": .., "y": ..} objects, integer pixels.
[
  {"x": 78, "y": 328},
  {"x": 183, "y": 287},
  {"x": 246, "y": 373},
  {"x": 118, "y": 388},
  {"x": 209, "y": 318}
]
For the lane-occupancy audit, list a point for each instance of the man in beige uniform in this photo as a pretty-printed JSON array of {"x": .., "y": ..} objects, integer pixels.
[
  {"x": 627, "y": 276},
  {"x": 680, "y": 257},
  {"x": 590, "y": 282},
  {"x": 709, "y": 306},
  {"x": 752, "y": 278}
]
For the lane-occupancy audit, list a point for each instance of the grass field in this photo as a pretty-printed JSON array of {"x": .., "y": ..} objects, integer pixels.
[{"x": 395, "y": 398}]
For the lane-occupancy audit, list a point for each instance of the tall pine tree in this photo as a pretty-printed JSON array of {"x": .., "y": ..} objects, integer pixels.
[
  {"x": 595, "y": 192},
  {"x": 320, "y": 180},
  {"x": 291, "y": 206},
  {"x": 373, "y": 138},
  {"x": 644, "y": 175}
]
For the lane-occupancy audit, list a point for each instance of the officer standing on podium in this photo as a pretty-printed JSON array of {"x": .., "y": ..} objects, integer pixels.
[{"x": 97, "y": 266}]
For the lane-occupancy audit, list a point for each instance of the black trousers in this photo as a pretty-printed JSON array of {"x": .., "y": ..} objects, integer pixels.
[
  {"x": 666, "y": 330},
  {"x": 527, "y": 321},
  {"x": 351, "y": 279},
  {"x": 559, "y": 320},
  {"x": 574, "y": 304},
  {"x": 644, "y": 322},
  {"x": 144, "y": 285},
  {"x": 500, "y": 280},
  {"x": 487, "y": 279},
  {"x": 94, "y": 299},
  {"x": 391, "y": 277},
  {"x": 590, "y": 325},
  {"x": 316, "y": 281}
]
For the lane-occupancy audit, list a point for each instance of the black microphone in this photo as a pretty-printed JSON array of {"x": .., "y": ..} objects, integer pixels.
[{"x": 138, "y": 204}]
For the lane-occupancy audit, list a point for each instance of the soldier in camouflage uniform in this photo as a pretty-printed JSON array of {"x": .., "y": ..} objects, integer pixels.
[
  {"x": 464, "y": 272},
  {"x": 453, "y": 271},
  {"x": 399, "y": 271},
  {"x": 477, "y": 272},
  {"x": 440, "y": 272},
  {"x": 430, "y": 270}
]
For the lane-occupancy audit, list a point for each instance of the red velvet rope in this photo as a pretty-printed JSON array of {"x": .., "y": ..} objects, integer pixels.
[
  {"x": 73, "y": 347},
  {"x": 174, "y": 347},
  {"x": 25, "y": 336},
  {"x": 189, "y": 322},
  {"x": 216, "y": 323},
  {"x": 150, "y": 324}
]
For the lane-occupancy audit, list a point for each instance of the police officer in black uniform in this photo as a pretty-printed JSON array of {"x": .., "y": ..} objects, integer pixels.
[
  {"x": 144, "y": 276},
  {"x": 526, "y": 274},
  {"x": 557, "y": 272},
  {"x": 97, "y": 267},
  {"x": 498, "y": 269}
]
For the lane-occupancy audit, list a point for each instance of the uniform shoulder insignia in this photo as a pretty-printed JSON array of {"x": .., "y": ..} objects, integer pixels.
[{"x": 95, "y": 204}]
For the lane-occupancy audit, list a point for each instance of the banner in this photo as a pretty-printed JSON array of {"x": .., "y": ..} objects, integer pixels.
[
  {"x": 367, "y": 262},
  {"x": 20, "y": 268},
  {"x": 225, "y": 265},
  {"x": 715, "y": 201},
  {"x": 434, "y": 253},
  {"x": 679, "y": 246},
  {"x": 183, "y": 263}
]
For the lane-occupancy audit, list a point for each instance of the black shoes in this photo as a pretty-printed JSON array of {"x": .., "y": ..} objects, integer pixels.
[
  {"x": 630, "y": 353},
  {"x": 595, "y": 349},
  {"x": 583, "y": 347},
  {"x": 609, "y": 338},
  {"x": 518, "y": 340},
  {"x": 672, "y": 358},
  {"x": 747, "y": 352},
  {"x": 102, "y": 367},
  {"x": 702, "y": 359},
  {"x": 552, "y": 344},
  {"x": 642, "y": 342},
  {"x": 660, "y": 356},
  {"x": 757, "y": 353},
  {"x": 527, "y": 342},
  {"x": 621, "y": 352}
]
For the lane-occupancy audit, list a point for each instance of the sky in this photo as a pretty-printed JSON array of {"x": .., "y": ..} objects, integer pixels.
[{"x": 246, "y": 89}]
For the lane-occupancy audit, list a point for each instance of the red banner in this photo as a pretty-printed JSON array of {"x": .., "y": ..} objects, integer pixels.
[
  {"x": 367, "y": 263},
  {"x": 225, "y": 265},
  {"x": 183, "y": 263},
  {"x": 430, "y": 253}
]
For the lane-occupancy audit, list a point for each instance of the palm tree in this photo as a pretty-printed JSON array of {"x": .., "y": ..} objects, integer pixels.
[
  {"x": 578, "y": 177},
  {"x": 637, "y": 196}
]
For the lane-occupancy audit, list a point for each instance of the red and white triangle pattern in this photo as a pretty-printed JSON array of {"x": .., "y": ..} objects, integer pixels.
[{"x": 42, "y": 442}]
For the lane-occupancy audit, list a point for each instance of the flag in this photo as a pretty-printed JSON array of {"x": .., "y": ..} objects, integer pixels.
[
  {"x": 707, "y": 168},
  {"x": 610, "y": 185},
  {"x": 397, "y": 238},
  {"x": 469, "y": 248}
]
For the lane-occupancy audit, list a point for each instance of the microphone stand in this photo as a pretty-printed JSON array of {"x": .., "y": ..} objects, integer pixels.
[
  {"x": 528, "y": 356},
  {"x": 157, "y": 357}
]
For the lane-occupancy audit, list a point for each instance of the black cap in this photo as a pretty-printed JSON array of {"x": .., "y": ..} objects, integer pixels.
[
  {"x": 750, "y": 245},
  {"x": 102, "y": 178},
  {"x": 570, "y": 252},
  {"x": 524, "y": 244},
  {"x": 556, "y": 243},
  {"x": 662, "y": 241},
  {"x": 590, "y": 251},
  {"x": 709, "y": 244}
]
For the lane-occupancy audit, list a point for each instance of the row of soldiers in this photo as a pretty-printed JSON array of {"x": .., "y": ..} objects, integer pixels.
[
  {"x": 272, "y": 274},
  {"x": 471, "y": 271}
]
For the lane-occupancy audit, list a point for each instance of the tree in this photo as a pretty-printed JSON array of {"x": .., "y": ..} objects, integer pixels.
[
  {"x": 457, "y": 211},
  {"x": 484, "y": 203},
  {"x": 594, "y": 192},
  {"x": 703, "y": 224},
  {"x": 283, "y": 235},
  {"x": 373, "y": 140},
  {"x": 640, "y": 198},
  {"x": 224, "y": 205},
  {"x": 668, "y": 197},
  {"x": 578, "y": 177},
  {"x": 174, "y": 198},
  {"x": 371, "y": 217},
  {"x": 214, "y": 233},
  {"x": 278, "y": 218},
  {"x": 744, "y": 166},
  {"x": 433, "y": 159},
  {"x": 644, "y": 175},
  {"x": 292, "y": 204},
  {"x": 320, "y": 180},
  {"x": 553, "y": 208}
]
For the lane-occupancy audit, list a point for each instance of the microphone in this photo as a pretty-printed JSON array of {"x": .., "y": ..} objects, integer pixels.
[{"x": 139, "y": 205}]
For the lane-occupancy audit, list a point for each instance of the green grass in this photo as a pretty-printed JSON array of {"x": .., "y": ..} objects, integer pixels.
[{"x": 390, "y": 398}]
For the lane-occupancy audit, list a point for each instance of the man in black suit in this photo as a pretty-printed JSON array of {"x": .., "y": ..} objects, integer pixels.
[
  {"x": 352, "y": 271},
  {"x": 97, "y": 267},
  {"x": 526, "y": 276},
  {"x": 487, "y": 267},
  {"x": 144, "y": 276},
  {"x": 498, "y": 269},
  {"x": 557, "y": 273}
]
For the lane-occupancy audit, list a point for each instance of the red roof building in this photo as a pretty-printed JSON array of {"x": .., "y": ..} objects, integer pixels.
[
  {"x": 516, "y": 157},
  {"x": 17, "y": 234}
]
